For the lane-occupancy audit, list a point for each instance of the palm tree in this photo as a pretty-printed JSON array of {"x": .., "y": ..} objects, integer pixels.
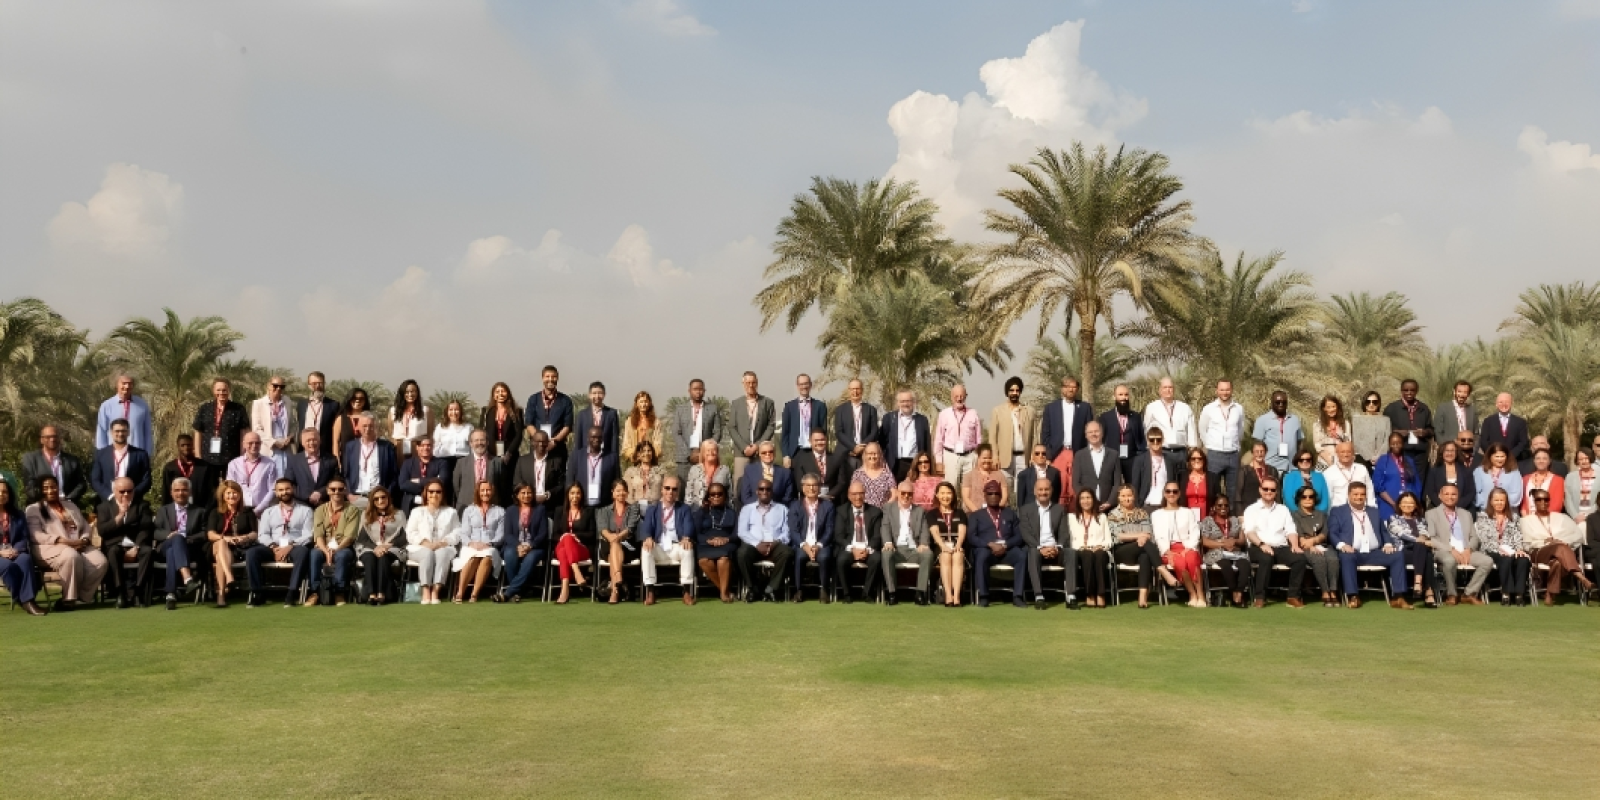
[
  {"x": 440, "y": 399},
  {"x": 1086, "y": 228},
  {"x": 1575, "y": 305},
  {"x": 1050, "y": 359},
  {"x": 46, "y": 368},
  {"x": 843, "y": 234},
  {"x": 175, "y": 362},
  {"x": 1369, "y": 338},
  {"x": 1563, "y": 373},
  {"x": 381, "y": 397},
  {"x": 1437, "y": 371},
  {"x": 1497, "y": 364}
]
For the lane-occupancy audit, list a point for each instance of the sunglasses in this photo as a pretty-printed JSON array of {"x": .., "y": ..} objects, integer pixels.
[
  {"x": 669, "y": 488},
  {"x": 277, "y": 385},
  {"x": 1171, "y": 492},
  {"x": 1268, "y": 490},
  {"x": 763, "y": 488}
]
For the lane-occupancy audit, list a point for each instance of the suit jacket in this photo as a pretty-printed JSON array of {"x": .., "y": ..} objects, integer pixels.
[
  {"x": 538, "y": 527},
  {"x": 514, "y": 430},
  {"x": 36, "y": 466},
  {"x": 844, "y": 526},
  {"x": 981, "y": 531},
  {"x": 1001, "y": 434},
  {"x": 16, "y": 534},
  {"x": 783, "y": 486},
  {"x": 1054, "y": 436},
  {"x": 1439, "y": 529},
  {"x": 555, "y": 477},
  {"x": 683, "y": 428},
  {"x": 559, "y": 418},
  {"x": 1113, "y": 433},
  {"x": 610, "y": 430},
  {"x": 261, "y": 423},
  {"x": 234, "y": 423},
  {"x": 1445, "y": 426},
  {"x": 104, "y": 471},
  {"x": 889, "y": 435},
  {"x": 138, "y": 525},
  {"x": 330, "y": 412},
  {"x": 1466, "y": 488},
  {"x": 1250, "y": 485},
  {"x": 682, "y": 522},
  {"x": 797, "y": 522},
  {"x": 891, "y": 524},
  {"x": 844, "y": 425},
  {"x": 413, "y": 478},
  {"x": 1103, "y": 483},
  {"x": 765, "y": 422},
  {"x": 1022, "y": 493},
  {"x": 818, "y": 414},
  {"x": 1028, "y": 518},
  {"x": 464, "y": 481},
  {"x": 837, "y": 480},
  {"x": 202, "y": 482},
  {"x": 166, "y": 523},
  {"x": 307, "y": 481},
  {"x": 578, "y": 473},
  {"x": 1515, "y": 438},
  {"x": 1342, "y": 526},
  {"x": 1141, "y": 472},
  {"x": 388, "y": 469}
]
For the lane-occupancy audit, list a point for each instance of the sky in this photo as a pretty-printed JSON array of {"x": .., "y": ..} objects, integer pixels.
[{"x": 462, "y": 192}]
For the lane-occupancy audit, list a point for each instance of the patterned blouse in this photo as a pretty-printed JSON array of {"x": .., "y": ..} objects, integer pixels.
[
  {"x": 694, "y": 489},
  {"x": 1128, "y": 522},
  {"x": 643, "y": 487},
  {"x": 1491, "y": 536},
  {"x": 879, "y": 489},
  {"x": 1209, "y": 529},
  {"x": 1408, "y": 529}
]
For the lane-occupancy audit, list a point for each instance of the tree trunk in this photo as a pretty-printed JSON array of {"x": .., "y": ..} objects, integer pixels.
[
  {"x": 1571, "y": 429},
  {"x": 1086, "y": 363}
]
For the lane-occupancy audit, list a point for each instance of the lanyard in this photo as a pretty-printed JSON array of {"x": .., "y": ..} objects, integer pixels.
[
  {"x": 366, "y": 455},
  {"x": 287, "y": 516},
  {"x": 383, "y": 532},
  {"x": 227, "y": 524},
  {"x": 184, "y": 472},
  {"x": 116, "y": 462},
  {"x": 250, "y": 472},
  {"x": 216, "y": 421}
]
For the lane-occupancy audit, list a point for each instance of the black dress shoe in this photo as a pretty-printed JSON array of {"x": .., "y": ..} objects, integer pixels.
[
  {"x": 1038, "y": 602},
  {"x": 750, "y": 597},
  {"x": 983, "y": 602},
  {"x": 770, "y": 597},
  {"x": 138, "y": 602},
  {"x": 172, "y": 602},
  {"x": 124, "y": 602},
  {"x": 1073, "y": 604},
  {"x": 922, "y": 598},
  {"x": 1018, "y": 602},
  {"x": 192, "y": 586},
  {"x": 847, "y": 599},
  {"x": 62, "y": 605},
  {"x": 893, "y": 601}
]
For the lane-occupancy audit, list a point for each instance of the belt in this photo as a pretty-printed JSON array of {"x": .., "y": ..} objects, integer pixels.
[
  {"x": 952, "y": 451},
  {"x": 1175, "y": 448}
]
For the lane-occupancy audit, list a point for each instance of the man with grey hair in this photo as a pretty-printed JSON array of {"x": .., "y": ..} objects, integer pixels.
[
  {"x": 1172, "y": 417},
  {"x": 956, "y": 437},
  {"x": 180, "y": 529},
  {"x": 129, "y": 406},
  {"x": 754, "y": 421},
  {"x": 254, "y": 474},
  {"x": 905, "y": 541},
  {"x": 904, "y": 435},
  {"x": 369, "y": 462},
  {"x": 855, "y": 423},
  {"x": 124, "y": 524}
]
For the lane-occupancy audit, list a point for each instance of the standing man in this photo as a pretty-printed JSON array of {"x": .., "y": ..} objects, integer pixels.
[
  {"x": 285, "y": 535},
  {"x": 666, "y": 537},
  {"x": 811, "y": 532},
  {"x": 1039, "y": 469},
  {"x": 1048, "y": 538},
  {"x": 271, "y": 417},
  {"x": 220, "y": 424},
  {"x": 310, "y": 469},
  {"x": 1061, "y": 428},
  {"x": 855, "y": 424},
  {"x": 125, "y": 525},
  {"x": 202, "y": 477},
  {"x": 256, "y": 475},
  {"x": 369, "y": 462},
  {"x": 129, "y": 406},
  {"x": 764, "y": 536},
  {"x": 50, "y": 459},
  {"x": 478, "y": 467},
  {"x": 801, "y": 416},
  {"x": 955, "y": 438},
  {"x": 857, "y": 538},
  {"x": 550, "y": 411},
  {"x": 180, "y": 529},
  {"x": 1274, "y": 540},
  {"x": 119, "y": 459},
  {"x": 753, "y": 423},
  {"x": 1280, "y": 431},
  {"x": 904, "y": 434},
  {"x": 1173, "y": 418},
  {"x": 544, "y": 472},
  {"x": 1343, "y": 473},
  {"x": 905, "y": 541},
  {"x": 1459, "y": 416},
  {"x": 996, "y": 538},
  {"x": 593, "y": 469},
  {"x": 1153, "y": 469},
  {"x": 318, "y": 411},
  {"x": 418, "y": 472},
  {"x": 600, "y": 416},
  {"x": 1011, "y": 431},
  {"x": 1221, "y": 429},
  {"x": 692, "y": 423},
  {"x": 1504, "y": 427},
  {"x": 1354, "y": 531},
  {"x": 1097, "y": 469},
  {"x": 1411, "y": 417},
  {"x": 831, "y": 469},
  {"x": 1123, "y": 429}
]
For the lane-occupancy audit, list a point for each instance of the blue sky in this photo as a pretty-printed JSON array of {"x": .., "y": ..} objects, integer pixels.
[{"x": 590, "y": 183}]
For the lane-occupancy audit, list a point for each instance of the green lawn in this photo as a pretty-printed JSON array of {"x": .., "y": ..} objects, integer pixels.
[{"x": 742, "y": 701}]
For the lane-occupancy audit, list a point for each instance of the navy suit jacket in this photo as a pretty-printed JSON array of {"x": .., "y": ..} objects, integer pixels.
[
  {"x": 797, "y": 522},
  {"x": 305, "y": 483},
  {"x": 683, "y": 519},
  {"x": 558, "y": 418},
  {"x": 1022, "y": 493},
  {"x": 578, "y": 473},
  {"x": 610, "y": 430},
  {"x": 17, "y": 533},
  {"x": 1113, "y": 432},
  {"x": 791, "y": 443},
  {"x": 411, "y": 483},
  {"x": 104, "y": 472},
  {"x": 783, "y": 489},
  {"x": 388, "y": 469},
  {"x": 844, "y": 425},
  {"x": 1515, "y": 438},
  {"x": 889, "y": 435},
  {"x": 1342, "y": 526},
  {"x": 330, "y": 412},
  {"x": 983, "y": 532},
  {"x": 1054, "y": 438},
  {"x": 538, "y": 527}
]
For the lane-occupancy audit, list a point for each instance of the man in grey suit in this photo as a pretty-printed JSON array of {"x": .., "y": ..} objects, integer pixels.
[
  {"x": 1096, "y": 468},
  {"x": 180, "y": 527},
  {"x": 1456, "y": 416},
  {"x": 905, "y": 541},
  {"x": 50, "y": 459},
  {"x": 479, "y": 466},
  {"x": 1045, "y": 530},
  {"x": 1455, "y": 545},
  {"x": 692, "y": 423},
  {"x": 754, "y": 422}
]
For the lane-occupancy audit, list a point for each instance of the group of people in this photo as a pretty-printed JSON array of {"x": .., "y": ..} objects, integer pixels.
[{"x": 487, "y": 508}]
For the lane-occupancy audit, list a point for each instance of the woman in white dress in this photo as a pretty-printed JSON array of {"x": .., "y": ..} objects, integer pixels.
[
  {"x": 450, "y": 436},
  {"x": 431, "y": 536},
  {"x": 482, "y": 526}
]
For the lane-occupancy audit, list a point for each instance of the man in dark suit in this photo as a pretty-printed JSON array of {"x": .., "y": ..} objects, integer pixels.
[
  {"x": 594, "y": 469},
  {"x": 754, "y": 421},
  {"x": 310, "y": 469},
  {"x": 811, "y": 533},
  {"x": 995, "y": 537},
  {"x": 417, "y": 472},
  {"x": 1039, "y": 468},
  {"x": 599, "y": 415},
  {"x": 480, "y": 466},
  {"x": 124, "y": 524},
  {"x": 551, "y": 411},
  {"x": 369, "y": 462},
  {"x": 50, "y": 459},
  {"x": 120, "y": 460},
  {"x": 831, "y": 468},
  {"x": 766, "y": 467},
  {"x": 1062, "y": 425},
  {"x": 857, "y": 538},
  {"x": 903, "y": 435},
  {"x": 201, "y": 477},
  {"x": 801, "y": 416},
  {"x": 1413, "y": 419},
  {"x": 1541, "y": 444},
  {"x": 1095, "y": 468},
  {"x": 855, "y": 424},
  {"x": 1354, "y": 531},
  {"x": 1049, "y": 539},
  {"x": 1123, "y": 429},
  {"x": 692, "y": 423},
  {"x": 316, "y": 412},
  {"x": 180, "y": 534},
  {"x": 220, "y": 426},
  {"x": 545, "y": 472},
  {"x": 1506, "y": 428},
  {"x": 1153, "y": 469},
  {"x": 1456, "y": 416}
]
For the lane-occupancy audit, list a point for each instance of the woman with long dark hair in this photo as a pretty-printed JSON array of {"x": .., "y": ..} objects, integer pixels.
[
  {"x": 16, "y": 552},
  {"x": 344, "y": 428},
  {"x": 502, "y": 420},
  {"x": 409, "y": 420}
]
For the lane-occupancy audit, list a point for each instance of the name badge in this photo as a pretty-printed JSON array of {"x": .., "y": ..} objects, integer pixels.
[
  {"x": 1122, "y": 452},
  {"x": 1283, "y": 449},
  {"x": 499, "y": 448},
  {"x": 1411, "y": 438},
  {"x": 405, "y": 446},
  {"x": 547, "y": 431},
  {"x": 216, "y": 445}
]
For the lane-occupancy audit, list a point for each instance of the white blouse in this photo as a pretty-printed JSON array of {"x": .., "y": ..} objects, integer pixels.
[
  {"x": 407, "y": 431},
  {"x": 450, "y": 441},
  {"x": 1180, "y": 525},
  {"x": 426, "y": 525},
  {"x": 1097, "y": 535}
]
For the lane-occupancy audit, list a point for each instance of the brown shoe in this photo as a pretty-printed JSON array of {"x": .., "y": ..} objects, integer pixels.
[
  {"x": 649, "y": 597},
  {"x": 688, "y": 599},
  {"x": 1450, "y": 601},
  {"x": 1355, "y": 602},
  {"x": 1295, "y": 602},
  {"x": 311, "y": 600},
  {"x": 1471, "y": 600},
  {"x": 1400, "y": 603},
  {"x": 1260, "y": 604}
]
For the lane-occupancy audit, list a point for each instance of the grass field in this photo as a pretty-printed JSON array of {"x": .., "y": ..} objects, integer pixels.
[{"x": 751, "y": 701}]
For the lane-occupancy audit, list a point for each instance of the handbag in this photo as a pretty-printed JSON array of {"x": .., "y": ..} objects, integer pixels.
[
  {"x": 325, "y": 591},
  {"x": 413, "y": 593}
]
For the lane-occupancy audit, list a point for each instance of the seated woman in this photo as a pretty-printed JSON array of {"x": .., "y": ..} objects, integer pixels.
[
  {"x": 1301, "y": 475},
  {"x": 1410, "y": 533},
  {"x": 1312, "y": 526},
  {"x": 709, "y": 471},
  {"x": 16, "y": 552},
  {"x": 1542, "y": 478},
  {"x": 231, "y": 529},
  {"x": 972, "y": 485},
  {"x": 1227, "y": 551},
  {"x": 335, "y": 526},
  {"x": 478, "y": 558},
  {"x": 716, "y": 539},
  {"x": 575, "y": 535},
  {"x": 1091, "y": 534},
  {"x": 1177, "y": 532},
  {"x": 1549, "y": 538},
  {"x": 643, "y": 479},
  {"x": 431, "y": 536},
  {"x": 1500, "y": 536},
  {"x": 875, "y": 476},
  {"x": 1135, "y": 543},
  {"x": 1394, "y": 474},
  {"x": 380, "y": 542},
  {"x": 1497, "y": 472},
  {"x": 1580, "y": 488},
  {"x": 947, "y": 526},
  {"x": 925, "y": 483},
  {"x": 1447, "y": 471},
  {"x": 618, "y": 523},
  {"x": 524, "y": 543},
  {"x": 1200, "y": 486}
]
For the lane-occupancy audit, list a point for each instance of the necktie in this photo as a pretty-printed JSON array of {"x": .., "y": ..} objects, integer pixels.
[{"x": 480, "y": 467}]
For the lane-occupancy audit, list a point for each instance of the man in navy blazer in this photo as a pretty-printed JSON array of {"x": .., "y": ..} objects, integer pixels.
[
  {"x": 1506, "y": 428},
  {"x": 904, "y": 435},
  {"x": 855, "y": 424},
  {"x": 316, "y": 412},
  {"x": 1056, "y": 430},
  {"x": 593, "y": 470},
  {"x": 811, "y": 534},
  {"x": 666, "y": 536},
  {"x": 1039, "y": 468},
  {"x": 801, "y": 416},
  {"x": 766, "y": 461},
  {"x": 311, "y": 469},
  {"x": 832, "y": 469},
  {"x": 610, "y": 429},
  {"x": 551, "y": 411},
  {"x": 120, "y": 460},
  {"x": 418, "y": 472},
  {"x": 369, "y": 461},
  {"x": 1123, "y": 428},
  {"x": 1353, "y": 530},
  {"x": 996, "y": 538}
]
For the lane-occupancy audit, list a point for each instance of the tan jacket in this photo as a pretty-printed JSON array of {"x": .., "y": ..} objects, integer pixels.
[
  {"x": 1000, "y": 432},
  {"x": 344, "y": 534}
]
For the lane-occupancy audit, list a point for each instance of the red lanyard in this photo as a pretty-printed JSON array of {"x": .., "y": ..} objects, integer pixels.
[
  {"x": 216, "y": 421},
  {"x": 383, "y": 532},
  {"x": 116, "y": 462},
  {"x": 227, "y": 524},
  {"x": 250, "y": 472},
  {"x": 184, "y": 472}
]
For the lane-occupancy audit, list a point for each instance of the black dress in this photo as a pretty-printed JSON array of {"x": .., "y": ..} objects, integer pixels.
[{"x": 712, "y": 523}]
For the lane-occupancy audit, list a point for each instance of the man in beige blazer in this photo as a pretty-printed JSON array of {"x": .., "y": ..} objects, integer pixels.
[
  {"x": 1011, "y": 430},
  {"x": 273, "y": 419}
]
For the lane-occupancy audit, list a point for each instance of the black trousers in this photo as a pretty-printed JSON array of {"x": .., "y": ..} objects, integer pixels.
[
  {"x": 117, "y": 577},
  {"x": 379, "y": 575},
  {"x": 1094, "y": 563},
  {"x": 1235, "y": 573},
  {"x": 1513, "y": 574},
  {"x": 1147, "y": 558},
  {"x": 747, "y": 557},
  {"x": 841, "y": 571},
  {"x": 1296, "y": 562},
  {"x": 1420, "y": 557}
]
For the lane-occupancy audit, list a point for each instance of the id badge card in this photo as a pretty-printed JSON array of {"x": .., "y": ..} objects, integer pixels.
[
  {"x": 216, "y": 445},
  {"x": 1283, "y": 449},
  {"x": 549, "y": 431},
  {"x": 405, "y": 446},
  {"x": 1411, "y": 439},
  {"x": 499, "y": 448},
  {"x": 1122, "y": 452}
]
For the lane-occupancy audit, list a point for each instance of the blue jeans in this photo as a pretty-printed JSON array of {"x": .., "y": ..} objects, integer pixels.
[
  {"x": 342, "y": 561},
  {"x": 520, "y": 568}
]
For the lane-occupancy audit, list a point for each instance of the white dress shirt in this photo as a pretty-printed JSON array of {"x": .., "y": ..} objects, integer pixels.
[
  {"x": 1158, "y": 478},
  {"x": 1047, "y": 538},
  {"x": 858, "y": 529},
  {"x": 1271, "y": 524},
  {"x": 1339, "y": 479},
  {"x": 1176, "y": 423},
  {"x": 904, "y": 539},
  {"x": 1222, "y": 427},
  {"x": 1068, "y": 411},
  {"x": 1365, "y": 539},
  {"x": 450, "y": 441},
  {"x": 908, "y": 435}
]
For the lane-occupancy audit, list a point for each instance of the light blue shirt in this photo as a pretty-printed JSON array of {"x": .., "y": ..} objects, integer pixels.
[
  {"x": 759, "y": 524},
  {"x": 136, "y": 412},
  {"x": 1274, "y": 432},
  {"x": 476, "y": 527}
]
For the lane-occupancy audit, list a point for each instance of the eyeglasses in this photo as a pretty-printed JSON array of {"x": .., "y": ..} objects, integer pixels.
[
  {"x": 669, "y": 488},
  {"x": 1268, "y": 490},
  {"x": 1371, "y": 402},
  {"x": 1154, "y": 440},
  {"x": 905, "y": 494},
  {"x": 1171, "y": 491}
]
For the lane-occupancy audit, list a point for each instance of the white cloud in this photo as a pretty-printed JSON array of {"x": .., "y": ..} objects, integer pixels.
[
  {"x": 132, "y": 216},
  {"x": 1431, "y": 122},
  {"x": 958, "y": 152},
  {"x": 635, "y": 257},
  {"x": 1556, "y": 157},
  {"x": 667, "y": 17}
]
